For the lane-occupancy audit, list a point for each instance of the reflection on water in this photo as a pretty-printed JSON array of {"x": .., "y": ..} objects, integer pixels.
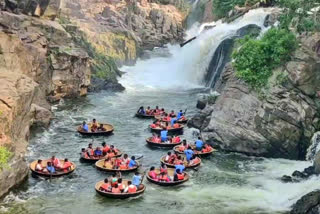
[{"x": 225, "y": 183}]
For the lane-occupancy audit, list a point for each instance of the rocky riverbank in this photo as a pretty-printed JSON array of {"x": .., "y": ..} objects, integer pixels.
[{"x": 50, "y": 50}]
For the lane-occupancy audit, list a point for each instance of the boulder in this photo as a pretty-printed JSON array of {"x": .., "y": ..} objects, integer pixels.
[
  {"x": 316, "y": 163},
  {"x": 308, "y": 204}
]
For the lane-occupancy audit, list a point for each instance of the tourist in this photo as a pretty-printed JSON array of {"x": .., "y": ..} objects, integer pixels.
[
  {"x": 176, "y": 125},
  {"x": 98, "y": 152},
  {"x": 207, "y": 148},
  {"x": 152, "y": 174},
  {"x": 121, "y": 185},
  {"x": 67, "y": 165},
  {"x": 163, "y": 168},
  {"x": 125, "y": 160},
  {"x": 178, "y": 160},
  {"x": 114, "y": 180},
  {"x": 50, "y": 168},
  {"x": 199, "y": 144},
  {"x": 176, "y": 139},
  {"x": 130, "y": 188},
  {"x": 105, "y": 148},
  {"x": 116, "y": 189},
  {"x": 141, "y": 111},
  {"x": 163, "y": 177},
  {"x": 94, "y": 125},
  {"x": 148, "y": 111},
  {"x": 106, "y": 186},
  {"x": 84, "y": 153},
  {"x": 39, "y": 167},
  {"x": 179, "y": 175},
  {"x": 172, "y": 114},
  {"x": 167, "y": 157},
  {"x": 55, "y": 162},
  {"x": 101, "y": 128},
  {"x": 85, "y": 127},
  {"x": 136, "y": 179},
  {"x": 90, "y": 150}
]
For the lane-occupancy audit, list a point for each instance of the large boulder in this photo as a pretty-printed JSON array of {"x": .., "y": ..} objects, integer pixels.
[{"x": 308, "y": 204}]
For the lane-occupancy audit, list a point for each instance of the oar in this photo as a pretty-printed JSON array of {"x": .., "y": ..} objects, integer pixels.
[
  {"x": 139, "y": 157},
  {"x": 144, "y": 173},
  {"x": 185, "y": 111}
]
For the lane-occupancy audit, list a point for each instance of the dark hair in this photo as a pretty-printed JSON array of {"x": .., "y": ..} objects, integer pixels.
[
  {"x": 169, "y": 153},
  {"x": 104, "y": 143},
  {"x": 116, "y": 186},
  {"x": 151, "y": 168},
  {"x": 136, "y": 173},
  {"x": 94, "y": 119},
  {"x": 129, "y": 182},
  {"x": 178, "y": 171},
  {"x": 125, "y": 155},
  {"x": 199, "y": 138},
  {"x": 39, "y": 161},
  {"x": 66, "y": 160},
  {"x": 133, "y": 158},
  {"x": 114, "y": 175},
  {"x": 106, "y": 180},
  {"x": 119, "y": 180},
  {"x": 90, "y": 144},
  {"x": 83, "y": 149}
]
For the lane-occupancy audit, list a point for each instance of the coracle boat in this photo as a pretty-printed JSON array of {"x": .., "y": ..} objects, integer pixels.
[
  {"x": 162, "y": 144},
  {"x": 144, "y": 116},
  {"x": 171, "y": 183},
  {"x": 109, "y": 129},
  {"x": 194, "y": 165},
  {"x": 140, "y": 191},
  {"x": 100, "y": 165},
  {"x": 170, "y": 131},
  {"x": 182, "y": 120},
  {"x": 201, "y": 154},
  {"x": 95, "y": 159},
  {"x": 47, "y": 174}
]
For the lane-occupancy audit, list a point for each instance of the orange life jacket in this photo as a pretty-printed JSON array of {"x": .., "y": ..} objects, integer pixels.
[
  {"x": 132, "y": 189},
  {"x": 180, "y": 176},
  {"x": 116, "y": 190},
  {"x": 163, "y": 170},
  {"x": 91, "y": 152},
  {"x": 56, "y": 162},
  {"x": 121, "y": 186},
  {"x": 153, "y": 126},
  {"x": 105, "y": 186},
  {"x": 182, "y": 148},
  {"x": 163, "y": 178},
  {"x": 105, "y": 149},
  {"x": 123, "y": 166},
  {"x": 66, "y": 166},
  {"x": 176, "y": 125}
]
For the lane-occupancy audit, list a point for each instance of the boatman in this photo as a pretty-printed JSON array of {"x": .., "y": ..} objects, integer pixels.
[
  {"x": 179, "y": 115},
  {"x": 85, "y": 127},
  {"x": 180, "y": 167},
  {"x": 136, "y": 179},
  {"x": 189, "y": 153},
  {"x": 133, "y": 162},
  {"x": 164, "y": 135},
  {"x": 199, "y": 144}
]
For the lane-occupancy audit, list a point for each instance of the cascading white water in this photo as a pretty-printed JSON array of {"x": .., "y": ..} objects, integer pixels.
[
  {"x": 314, "y": 147},
  {"x": 187, "y": 66}
]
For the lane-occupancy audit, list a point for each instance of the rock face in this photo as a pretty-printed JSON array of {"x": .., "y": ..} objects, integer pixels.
[
  {"x": 279, "y": 125},
  {"x": 308, "y": 204},
  {"x": 37, "y": 60}
]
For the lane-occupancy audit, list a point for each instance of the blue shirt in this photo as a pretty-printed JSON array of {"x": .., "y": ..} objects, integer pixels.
[
  {"x": 164, "y": 135},
  {"x": 97, "y": 152},
  {"x": 141, "y": 111},
  {"x": 173, "y": 120},
  {"x": 179, "y": 115},
  {"x": 51, "y": 169},
  {"x": 199, "y": 143},
  {"x": 188, "y": 154},
  {"x": 136, "y": 180},
  {"x": 132, "y": 163},
  {"x": 181, "y": 167},
  {"x": 85, "y": 127}
]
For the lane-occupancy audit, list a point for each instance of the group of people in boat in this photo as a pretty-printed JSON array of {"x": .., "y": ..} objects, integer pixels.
[
  {"x": 190, "y": 159},
  {"x": 163, "y": 175},
  {"x": 53, "y": 166},
  {"x": 121, "y": 163},
  {"x": 95, "y": 127},
  {"x": 151, "y": 112},
  {"x": 164, "y": 138},
  {"x": 199, "y": 146},
  {"x": 116, "y": 185},
  {"x": 99, "y": 152},
  {"x": 158, "y": 124}
]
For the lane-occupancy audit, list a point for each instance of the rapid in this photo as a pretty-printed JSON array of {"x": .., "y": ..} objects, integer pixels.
[{"x": 173, "y": 77}]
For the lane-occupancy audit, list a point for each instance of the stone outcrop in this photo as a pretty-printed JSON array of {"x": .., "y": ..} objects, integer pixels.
[
  {"x": 281, "y": 124},
  {"x": 308, "y": 204}
]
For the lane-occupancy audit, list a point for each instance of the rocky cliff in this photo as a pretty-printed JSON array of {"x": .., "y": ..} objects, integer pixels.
[{"x": 278, "y": 124}]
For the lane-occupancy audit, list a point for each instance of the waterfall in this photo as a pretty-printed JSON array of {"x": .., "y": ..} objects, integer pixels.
[
  {"x": 187, "y": 67},
  {"x": 314, "y": 147}
]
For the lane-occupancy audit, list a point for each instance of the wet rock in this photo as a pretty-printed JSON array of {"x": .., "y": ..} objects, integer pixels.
[
  {"x": 286, "y": 179},
  {"x": 299, "y": 174},
  {"x": 202, "y": 102},
  {"x": 100, "y": 84},
  {"x": 316, "y": 163},
  {"x": 308, "y": 204},
  {"x": 11, "y": 5},
  {"x": 42, "y": 116},
  {"x": 309, "y": 170}
]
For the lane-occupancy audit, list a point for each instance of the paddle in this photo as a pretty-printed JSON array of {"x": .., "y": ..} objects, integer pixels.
[
  {"x": 185, "y": 111},
  {"x": 139, "y": 157}
]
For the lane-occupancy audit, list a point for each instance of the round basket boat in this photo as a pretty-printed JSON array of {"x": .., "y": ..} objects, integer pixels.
[
  {"x": 163, "y": 145},
  {"x": 109, "y": 129},
  {"x": 140, "y": 191},
  {"x": 201, "y": 154},
  {"x": 99, "y": 165},
  {"x": 171, "y": 183},
  {"x": 170, "y": 131},
  {"x": 182, "y": 120},
  {"x": 94, "y": 159},
  {"x": 47, "y": 174},
  {"x": 144, "y": 116},
  {"x": 185, "y": 163},
  {"x": 178, "y": 121}
]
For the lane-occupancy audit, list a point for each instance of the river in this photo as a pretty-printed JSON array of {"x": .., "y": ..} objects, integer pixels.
[{"x": 225, "y": 182}]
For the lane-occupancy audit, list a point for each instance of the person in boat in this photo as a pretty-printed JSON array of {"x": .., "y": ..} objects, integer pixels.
[
  {"x": 162, "y": 111},
  {"x": 163, "y": 168},
  {"x": 163, "y": 177},
  {"x": 90, "y": 150},
  {"x": 156, "y": 111},
  {"x": 85, "y": 127},
  {"x": 166, "y": 118},
  {"x": 66, "y": 165},
  {"x": 111, "y": 153},
  {"x": 184, "y": 142},
  {"x": 136, "y": 179},
  {"x": 194, "y": 160},
  {"x": 84, "y": 153},
  {"x": 50, "y": 168},
  {"x": 125, "y": 160},
  {"x": 121, "y": 185},
  {"x": 167, "y": 157},
  {"x": 206, "y": 148},
  {"x": 176, "y": 139},
  {"x": 55, "y": 162},
  {"x": 141, "y": 111},
  {"x": 156, "y": 138},
  {"x": 172, "y": 114},
  {"x": 116, "y": 189},
  {"x": 183, "y": 146},
  {"x": 152, "y": 173},
  {"x": 173, "y": 121},
  {"x": 107, "y": 163},
  {"x": 105, "y": 148},
  {"x": 148, "y": 111},
  {"x": 117, "y": 163},
  {"x": 114, "y": 149},
  {"x": 39, "y": 167},
  {"x": 180, "y": 167},
  {"x": 199, "y": 144},
  {"x": 172, "y": 158},
  {"x": 180, "y": 113},
  {"x": 114, "y": 180},
  {"x": 130, "y": 188},
  {"x": 164, "y": 135},
  {"x": 189, "y": 153},
  {"x": 168, "y": 126},
  {"x": 94, "y": 125},
  {"x": 98, "y": 152},
  {"x": 133, "y": 162},
  {"x": 179, "y": 175},
  {"x": 154, "y": 125},
  {"x": 176, "y": 125},
  {"x": 178, "y": 160},
  {"x": 106, "y": 186},
  {"x": 101, "y": 128}
]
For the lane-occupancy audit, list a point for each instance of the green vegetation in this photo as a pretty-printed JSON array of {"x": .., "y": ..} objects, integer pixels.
[
  {"x": 182, "y": 5},
  {"x": 221, "y": 8},
  {"x": 255, "y": 60},
  {"x": 300, "y": 15},
  {"x": 5, "y": 155}
]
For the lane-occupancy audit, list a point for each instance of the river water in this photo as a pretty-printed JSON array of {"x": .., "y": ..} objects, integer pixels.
[{"x": 225, "y": 182}]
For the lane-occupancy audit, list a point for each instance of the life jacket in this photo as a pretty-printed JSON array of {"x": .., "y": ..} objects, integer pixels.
[
  {"x": 176, "y": 126},
  {"x": 163, "y": 178},
  {"x": 66, "y": 166},
  {"x": 114, "y": 181},
  {"x": 182, "y": 148},
  {"x": 163, "y": 170},
  {"x": 90, "y": 151},
  {"x": 110, "y": 155},
  {"x": 121, "y": 186},
  {"x": 105, "y": 186},
  {"x": 196, "y": 160},
  {"x": 153, "y": 126},
  {"x": 132, "y": 189},
  {"x": 153, "y": 175},
  {"x": 105, "y": 149},
  {"x": 169, "y": 127},
  {"x": 116, "y": 190},
  {"x": 85, "y": 154},
  {"x": 123, "y": 166},
  {"x": 178, "y": 162},
  {"x": 56, "y": 162},
  {"x": 180, "y": 176},
  {"x": 172, "y": 158}
]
